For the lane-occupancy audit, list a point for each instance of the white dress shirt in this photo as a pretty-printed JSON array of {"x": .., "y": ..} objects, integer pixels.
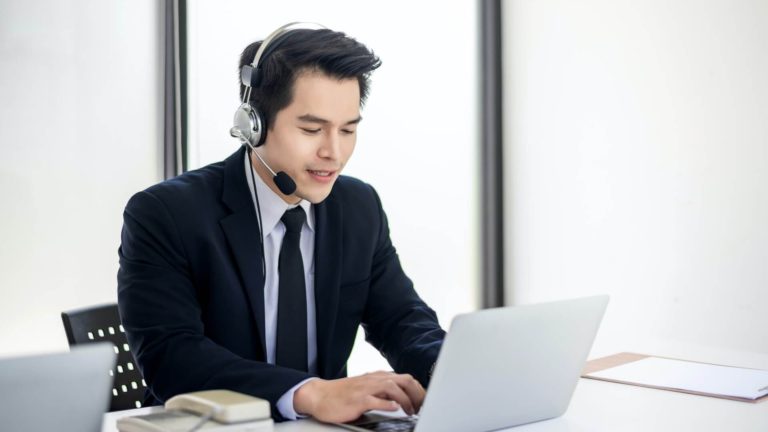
[{"x": 272, "y": 209}]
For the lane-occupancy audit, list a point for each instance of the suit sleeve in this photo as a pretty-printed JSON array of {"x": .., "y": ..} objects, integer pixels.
[
  {"x": 396, "y": 320},
  {"x": 161, "y": 312}
]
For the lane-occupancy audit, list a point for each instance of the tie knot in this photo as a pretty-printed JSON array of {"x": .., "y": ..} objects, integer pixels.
[{"x": 293, "y": 219}]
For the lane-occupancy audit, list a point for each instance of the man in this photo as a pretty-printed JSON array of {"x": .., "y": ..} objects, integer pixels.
[{"x": 227, "y": 282}]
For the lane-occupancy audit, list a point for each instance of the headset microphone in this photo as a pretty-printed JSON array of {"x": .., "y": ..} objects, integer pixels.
[{"x": 283, "y": 181}]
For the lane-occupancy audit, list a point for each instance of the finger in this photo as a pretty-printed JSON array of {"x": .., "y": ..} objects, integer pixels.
[
  {"x": 412, "y": 388},
  {"x": 391, "y": 390},
  {"x": 379, "y": 373},
  {"x": 372, "y": 402}
]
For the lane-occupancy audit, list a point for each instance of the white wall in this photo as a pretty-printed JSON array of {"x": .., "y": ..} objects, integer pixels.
[
  {"x": 417, "y": 144},
  {"x": 79, "y": 133},
  {"x": 637, "y": 165}
]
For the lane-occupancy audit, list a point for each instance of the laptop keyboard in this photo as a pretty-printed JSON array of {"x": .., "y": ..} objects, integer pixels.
[{"x": 390, "y": 425}]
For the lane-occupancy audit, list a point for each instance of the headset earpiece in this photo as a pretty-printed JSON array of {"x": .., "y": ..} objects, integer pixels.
[{"x": 248, "y": 126}]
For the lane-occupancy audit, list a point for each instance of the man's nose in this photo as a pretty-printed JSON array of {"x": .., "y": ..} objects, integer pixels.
[{"x": 330, "y": 146}]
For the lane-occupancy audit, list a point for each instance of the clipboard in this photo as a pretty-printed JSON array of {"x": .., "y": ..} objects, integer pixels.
[{"x": 620, "y": 359}]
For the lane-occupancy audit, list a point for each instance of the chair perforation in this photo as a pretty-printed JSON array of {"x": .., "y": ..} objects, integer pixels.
[{"x": 102, "y": 323}]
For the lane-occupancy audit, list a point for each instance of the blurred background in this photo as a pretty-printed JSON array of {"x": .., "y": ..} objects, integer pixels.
[{"x": 633, "y": 151}]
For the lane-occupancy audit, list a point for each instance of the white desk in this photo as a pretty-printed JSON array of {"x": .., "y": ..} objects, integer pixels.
[{"x": 599, "y": 406}]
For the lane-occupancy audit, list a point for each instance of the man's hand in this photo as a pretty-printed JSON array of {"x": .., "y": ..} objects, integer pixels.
[{"x": 345, "y": 399}]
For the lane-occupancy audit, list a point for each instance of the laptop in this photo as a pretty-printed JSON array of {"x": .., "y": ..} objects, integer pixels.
[
  {"x": 67, "y": 392},
  {"x": 503, "y": 367}
]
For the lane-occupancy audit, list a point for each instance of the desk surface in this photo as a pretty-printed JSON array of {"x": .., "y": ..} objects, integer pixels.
[
  {"x": 602, "y": 406},
  {"x": 599, "y": 406}
]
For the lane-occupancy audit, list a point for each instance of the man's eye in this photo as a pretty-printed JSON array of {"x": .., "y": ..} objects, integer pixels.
[
  {"x": 347, "y": 131},
  {"x": 311, "y": 131}
]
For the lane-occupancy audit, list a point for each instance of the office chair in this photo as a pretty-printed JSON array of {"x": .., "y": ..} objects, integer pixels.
[{"x": 100, "y": 324}]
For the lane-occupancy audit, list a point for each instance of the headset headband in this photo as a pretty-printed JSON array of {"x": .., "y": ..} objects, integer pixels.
[{"x": 249, "y": 75}]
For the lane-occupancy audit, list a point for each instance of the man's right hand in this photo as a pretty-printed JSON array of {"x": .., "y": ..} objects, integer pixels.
[{"x": 345, "y": 399}]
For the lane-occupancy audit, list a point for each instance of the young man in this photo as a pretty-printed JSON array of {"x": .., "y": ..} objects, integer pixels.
[{"x": 212, "y": 296}]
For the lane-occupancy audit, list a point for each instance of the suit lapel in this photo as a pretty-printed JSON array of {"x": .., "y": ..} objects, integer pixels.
[
  {"x": 328, "y": 217},
  {"x": 242, "y": 233}
]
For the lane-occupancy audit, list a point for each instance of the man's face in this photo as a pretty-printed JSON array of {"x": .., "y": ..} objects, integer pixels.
[{"x": 312, "y": 138}]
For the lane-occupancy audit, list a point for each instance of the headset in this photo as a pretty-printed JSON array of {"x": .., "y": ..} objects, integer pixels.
[{"x": 248, "y": 123}]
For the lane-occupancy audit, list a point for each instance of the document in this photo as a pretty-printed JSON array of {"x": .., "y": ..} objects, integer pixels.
[{"x": 680, "y": 375}]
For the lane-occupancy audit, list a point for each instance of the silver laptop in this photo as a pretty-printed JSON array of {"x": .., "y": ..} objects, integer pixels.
[
  {"x": 67, "y": 391},
  {"x": 504, "y": 367}
]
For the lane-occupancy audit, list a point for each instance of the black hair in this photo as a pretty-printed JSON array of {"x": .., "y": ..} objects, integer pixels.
[{"x": 332, "y": 53}]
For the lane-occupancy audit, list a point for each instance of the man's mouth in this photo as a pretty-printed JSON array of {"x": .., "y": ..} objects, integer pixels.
[
  {"x": 322, "y": 177},
  {"x": 321, "y": 173}
]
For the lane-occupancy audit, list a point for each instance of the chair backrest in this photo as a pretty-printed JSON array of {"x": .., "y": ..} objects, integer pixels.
[{"x": 100, "y": 324}]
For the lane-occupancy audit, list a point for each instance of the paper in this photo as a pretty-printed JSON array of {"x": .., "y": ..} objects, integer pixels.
[{"x": 690, "y": 376}]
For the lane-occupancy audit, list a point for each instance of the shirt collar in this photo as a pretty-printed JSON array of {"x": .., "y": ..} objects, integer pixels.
[{"x": 272, "y": 206}]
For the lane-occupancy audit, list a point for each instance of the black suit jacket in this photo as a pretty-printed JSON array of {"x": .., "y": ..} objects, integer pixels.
[{"x": 191, "y": 287}]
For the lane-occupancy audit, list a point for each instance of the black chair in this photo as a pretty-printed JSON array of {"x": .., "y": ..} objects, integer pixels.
[{"x": 100, "y": 324}]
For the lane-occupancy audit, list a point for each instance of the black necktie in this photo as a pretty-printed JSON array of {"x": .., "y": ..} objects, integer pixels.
[{"x": 291, "y": 344}]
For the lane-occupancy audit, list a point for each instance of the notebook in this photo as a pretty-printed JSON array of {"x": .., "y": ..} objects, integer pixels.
[
  {"x": 66, "y": 392},
  {"x": 504, "y": 367}
]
